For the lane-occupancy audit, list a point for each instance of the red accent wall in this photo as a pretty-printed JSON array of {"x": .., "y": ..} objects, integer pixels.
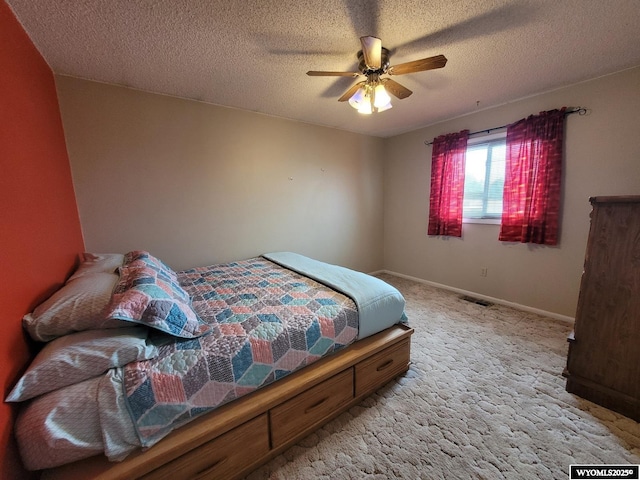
[{"x": 40, "y": 229}]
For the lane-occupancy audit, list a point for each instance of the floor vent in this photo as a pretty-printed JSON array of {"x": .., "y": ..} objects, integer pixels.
[{"x": 477, "y": 301}]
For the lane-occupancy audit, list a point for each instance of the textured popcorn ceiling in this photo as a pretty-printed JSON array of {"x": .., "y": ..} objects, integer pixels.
[{"x": 253, "y": 54}]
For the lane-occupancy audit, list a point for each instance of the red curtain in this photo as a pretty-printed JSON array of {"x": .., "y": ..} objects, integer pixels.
[
  {"x": 447, "y": 184},
  {"x": 533, "y": 171}
]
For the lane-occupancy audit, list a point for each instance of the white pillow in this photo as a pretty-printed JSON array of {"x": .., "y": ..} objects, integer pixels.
[
  {"x": 75, "y": 307},
  {"x": 98, "y": 263},
  {"x": 60, "y": 427},
  {"x": 80, "y": 356}
]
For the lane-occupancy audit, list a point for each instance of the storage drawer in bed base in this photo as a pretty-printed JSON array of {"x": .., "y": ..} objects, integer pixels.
[{"x": 351, "y": 374}]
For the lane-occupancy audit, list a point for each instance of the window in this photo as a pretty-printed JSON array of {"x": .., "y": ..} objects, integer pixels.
[
  {"x": 513, "y": 180},
  {"x": 484, "y": 179}
]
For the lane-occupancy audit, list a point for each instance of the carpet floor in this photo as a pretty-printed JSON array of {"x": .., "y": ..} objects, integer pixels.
[{"x": 484, "y": 399}]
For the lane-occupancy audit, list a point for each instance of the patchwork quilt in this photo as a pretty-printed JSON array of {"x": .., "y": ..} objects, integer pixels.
[{"x": 266, "y": 322}]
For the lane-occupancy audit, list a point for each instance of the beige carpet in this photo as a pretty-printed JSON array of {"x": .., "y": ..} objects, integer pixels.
[{"x": 484, "y": 399}]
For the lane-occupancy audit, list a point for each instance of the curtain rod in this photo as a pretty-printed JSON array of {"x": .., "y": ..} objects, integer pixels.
[{"x": 579, "y": 110}]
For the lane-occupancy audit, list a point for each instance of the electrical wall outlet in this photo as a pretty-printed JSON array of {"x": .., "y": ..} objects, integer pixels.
[{"x": 484, "y": 271}]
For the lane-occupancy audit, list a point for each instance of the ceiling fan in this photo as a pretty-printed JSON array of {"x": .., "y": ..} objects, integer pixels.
[{"x": 370, "y": 95}]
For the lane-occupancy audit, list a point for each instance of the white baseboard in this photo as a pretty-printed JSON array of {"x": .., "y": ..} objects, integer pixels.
[{"x": 556, "y": 316}]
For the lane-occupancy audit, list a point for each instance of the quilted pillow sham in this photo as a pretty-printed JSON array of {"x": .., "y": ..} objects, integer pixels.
[
  {"x": 148, "y": 293},
  {"x": 145, "y": 259},
  {"x": 77, "y": 357}
]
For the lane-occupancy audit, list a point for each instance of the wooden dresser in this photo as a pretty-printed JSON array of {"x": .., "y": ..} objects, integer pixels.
[{"x": 603, "y": 364}]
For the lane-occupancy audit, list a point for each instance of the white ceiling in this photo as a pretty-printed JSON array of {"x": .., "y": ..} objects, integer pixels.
[{"x": 253, "y": 54}]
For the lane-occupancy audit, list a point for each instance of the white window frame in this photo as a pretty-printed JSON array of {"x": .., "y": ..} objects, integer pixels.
[{"x": 476, "y": 141}]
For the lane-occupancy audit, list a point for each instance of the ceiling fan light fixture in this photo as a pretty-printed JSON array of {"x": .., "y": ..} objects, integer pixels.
[
  {"x": 369, "y": 99},
  {"x": 361, "y": 100},
  {"x": 365, "y": 107},
  {"x": 358, "y": 98},
  {"x": 384, "y": 107},
  {"x": 382, "y": 100}
]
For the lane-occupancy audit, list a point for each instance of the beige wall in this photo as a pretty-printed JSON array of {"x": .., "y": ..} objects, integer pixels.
[
  {"x": 197, "y": 184},
  {"x": 602, "y": 157}
]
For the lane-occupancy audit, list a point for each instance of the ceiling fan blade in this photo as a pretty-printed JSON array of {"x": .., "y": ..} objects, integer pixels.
[
  {"x": 349, "y": 93},
  {"x": 313, "y": 73},
  {"x": 372, "y": 51},
  {"x": 421, "y": 65},
  {"x": 396, "y": 89}
]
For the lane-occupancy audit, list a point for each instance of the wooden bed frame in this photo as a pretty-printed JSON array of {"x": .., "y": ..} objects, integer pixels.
[{"x": 238, "y": 437}]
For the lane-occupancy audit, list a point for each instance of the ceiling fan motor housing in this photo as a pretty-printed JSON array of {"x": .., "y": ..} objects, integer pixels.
[{"x": 384, "y": 63}]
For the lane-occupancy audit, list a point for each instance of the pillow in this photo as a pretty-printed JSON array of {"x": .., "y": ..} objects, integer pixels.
[
  {"x": 77, "y": 357},
  {"x": 149, "y": 293},
  {"x": 61, "y": 426},
  {"x": 98, "y": 263},
  {"x": 75, "y": 307}
]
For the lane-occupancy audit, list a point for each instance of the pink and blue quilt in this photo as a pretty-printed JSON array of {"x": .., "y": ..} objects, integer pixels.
[{"x": 266, "y": 322}]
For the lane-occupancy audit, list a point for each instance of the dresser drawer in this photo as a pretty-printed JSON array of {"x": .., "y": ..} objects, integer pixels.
[
  {"x": 222, "y": 457},
  {"x": 311, "y": 408},
  {"x": 381, "y": 367}
]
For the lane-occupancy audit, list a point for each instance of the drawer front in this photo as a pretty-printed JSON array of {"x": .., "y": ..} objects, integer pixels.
[
  {"x": 310, "y": 408},
  {"x": 222, "y": 457},
  {"x": 382, "y": 367}
]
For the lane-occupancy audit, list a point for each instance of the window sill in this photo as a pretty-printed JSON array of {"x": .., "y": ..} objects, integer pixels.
[{"x": 485, "y": 221}]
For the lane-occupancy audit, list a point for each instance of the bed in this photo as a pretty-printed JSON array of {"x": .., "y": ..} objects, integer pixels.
[{"x": 202, "y": 373}]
